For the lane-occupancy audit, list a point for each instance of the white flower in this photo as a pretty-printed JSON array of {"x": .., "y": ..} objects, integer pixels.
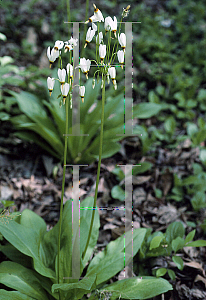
[
  {"x": 52, "y": 56},
  {"x": 120, "y": 56},
  {"x": 102, "y": 52},
  {"x": 58, "y": 45},
  {"x": 89, "y": 36},
  {"x": 122, "y": 40},
  {"x": 98, "y": 14},
  {"x": 62, "y": 75},
  {"x": 82, "y": 92},
  {"x": 114, "y": 26},
  {"x": 107, "y": 23},
  {"x": 67, "y": 47},
  {"x": 112, "y": 73},
  {"x": 70, "y": 70},
  {"x": 97, "y": 17},
  {"x": 100, "y": 38},
  {"x": 94, "y": 27},
  {"x": 85, "y": 65},
  {"x": 65, "y": 90},
  {"x": 50, "y": 84},
  {"x": 73, "y": 42}
]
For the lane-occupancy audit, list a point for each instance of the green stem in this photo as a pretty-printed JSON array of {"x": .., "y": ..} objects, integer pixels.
[
  {"x": 99, "y": 165},
  {"x": 62, "y": 194}
]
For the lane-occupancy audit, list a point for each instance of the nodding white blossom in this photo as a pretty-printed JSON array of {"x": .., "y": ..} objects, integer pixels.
[
  {"x": 102, "y": 52},
  {"x": 94, "y": 27},
  {"x": 114, "y": 26},
  {"x": 62, "y": 75},
  {"x": 112, "y": 73},
  {"x": 98, "y": 14},
  {"x": 126, "y": 11},
  {"x": 120, "y": 56},
  {"x": 73, "y": 42},
  {"x": 89, "y": 36},
  {"x": 58, "y": 45},
  {"x": 52, "y": 56},
  {"x": 65, "y": 90},
  {"x": 100, "y": 35},
  {"x": 67, "y": 47},
  {"x": 70, "y": 70},
  {"x": 85, "y": 65},
  {"x": 107, "y": 24},
  {"x": 122, "y": 40},
  {"x": 82, "y": 92},
  {"x": 97, "y": 17},
  {"x": 50, "y": 84}
]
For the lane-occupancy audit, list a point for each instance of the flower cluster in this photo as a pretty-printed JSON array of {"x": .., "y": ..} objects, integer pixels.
[{"x": 105, "y": 53}]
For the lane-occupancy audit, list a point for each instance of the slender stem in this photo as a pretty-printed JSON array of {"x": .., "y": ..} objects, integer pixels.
[
  {"x": 99, "y": 165},
  {"x": 62, "y": 194}
]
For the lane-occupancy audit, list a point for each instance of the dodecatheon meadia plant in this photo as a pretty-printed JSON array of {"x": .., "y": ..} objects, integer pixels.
[
  {"x": 58, "y": 264},
  {"x": 104, "y": 32}
]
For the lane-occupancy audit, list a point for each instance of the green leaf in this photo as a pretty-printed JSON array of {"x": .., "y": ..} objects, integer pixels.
[
  {"x": 178, "y": 244},
  {"x": 160, "y": 90},
  {"x": 174, "y": 230},
  {"x": 203, "y": 155},
  {"x": 170, "y": 125},
  {"x": 198, "y": 243},
  {"x": 178, "y": 261},
  {"x": 146, "y": 110},
  {"x": 198, "y": 200},
  {"x": 78, "y": 289},
  {"x": 171, "y": 274},
  {"x": 161, "y": 272},
  {"x": 21, "y": 279},
  {"x": 13, "y": 295},
  {"x": 119, "y": 173},
  {"x": 155, "y": 242},
  {"x": 16, "y": 256},
  {"x": 153, "y": 98},
  {"x": 145, "y": 166},
  {"x": 27, "y": 241},
  {"x": 118, "y": 193},
  {"x": 190, "y": 236},
  {"x": 111, "y": 261},
  {"x": 138, "y": 288},
  {"x": 180, "y": 97}
]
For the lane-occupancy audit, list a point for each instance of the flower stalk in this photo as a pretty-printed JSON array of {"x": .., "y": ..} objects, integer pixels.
[{"x": 98, "y": 168}]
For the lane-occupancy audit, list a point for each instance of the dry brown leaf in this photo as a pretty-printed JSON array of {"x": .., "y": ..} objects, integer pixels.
[{"x": 200, "y": 278}]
